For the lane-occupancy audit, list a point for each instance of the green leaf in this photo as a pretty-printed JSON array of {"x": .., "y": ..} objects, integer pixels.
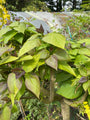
[
  {"x": 20, "y": 28},
  {"x": 66, "y": 67},
  {"x": 55, "y": 39},
  {"x": 29, "y": 65},
  {"x": 14, "y": 24},
  {"x": 33, "y": 84},
  {"x": 8, "y": 59},
  {"x": 4, "y": 30},
  {"x": 88, "y": 99},
  {"x": 62, "y": 76},
  {"x": 75, "y": 45},
  {"x": 89, "y": 90},
  {"x": 81, "y": 59},
  {"x": 77, "y": 80},
  {"x": 40, "y": 63},
  {"x": 73, "y": 52},
  {"x": 8, "y": 36},
  {"x": 42, "y": 46},
  {"x": 62, "y": 55},
  {"x": 31, "y": 29},
  {"x": 19, "y": 37},
  {"x": 3, "y": 86},
  {"x": 83, "y": 70},
  {"x": 14, "y": 108},
  {"x": 12, "y": 97},
  {"x": 86, "y": 41},
  {"x": 87, "y": 67},
  {"x": 43, "y": 54},
  {"x": 21, "y": 91},
  {"x": 68, "y": 91},
  {"x": 52, "y": 62},
  {"x": 25, "y": 58},
  {"x": 84, "y": 51},
  {"x": 29, "y": 45},
  {"x": 35, "y": 36},
  {"x": 5, "y": 49},
  {"x": 86, "y": 85},
  {"x": 14, "y": 85},
  {"x": 6, "y": 114}
]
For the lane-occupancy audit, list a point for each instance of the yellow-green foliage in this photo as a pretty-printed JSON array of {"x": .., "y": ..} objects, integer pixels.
[{"x": 4, "y": 16}]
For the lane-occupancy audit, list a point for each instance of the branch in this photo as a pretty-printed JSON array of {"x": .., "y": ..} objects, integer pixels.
[{"x": 75, "y": 103}]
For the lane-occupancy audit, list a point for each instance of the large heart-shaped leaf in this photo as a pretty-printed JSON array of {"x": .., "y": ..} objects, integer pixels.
[
  {"x": 68, "y": 91},
  {"x": 55, "y": 39},
  {"x": 29, "y": 65},
  {"x": 29, "y": 45},
  {"x": 14, "y": 84},
  {"x": 5, "y": 114},
  {"x": 33, "y": 84},
  {"x": 66, "y": 67}
]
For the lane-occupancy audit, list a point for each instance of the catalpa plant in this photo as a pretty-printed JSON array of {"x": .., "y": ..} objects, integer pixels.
[{"x": 28, "y": 59}]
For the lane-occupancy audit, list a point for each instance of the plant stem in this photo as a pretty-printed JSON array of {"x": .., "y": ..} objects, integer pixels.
[
  {"x": 80, "y": 117},
  {"x": 52, "y": 80},
  {"x": 22, "y": 109},
  {"x": 75, "y": 103}
]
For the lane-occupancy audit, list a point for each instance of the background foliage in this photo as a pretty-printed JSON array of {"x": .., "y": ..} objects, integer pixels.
[{"x": 45, "y": 5}]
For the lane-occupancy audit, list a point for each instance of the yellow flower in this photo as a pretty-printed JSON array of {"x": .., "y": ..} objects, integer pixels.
[
  {"x": 87, "y": 109},
  {"x": 86, "y": 106},
  {"x": 5, "y": 21},
  {"x": 85, "y": 102},
  {"x": 2, "y": 1},
  {"x": 3, "y": 14}
]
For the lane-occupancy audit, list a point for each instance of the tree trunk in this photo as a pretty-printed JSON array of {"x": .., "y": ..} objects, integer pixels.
[
  {"x": 74, "y": 4},
  {"x": 59, "y": 5},
  {"x": 65, "y": 110}
]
